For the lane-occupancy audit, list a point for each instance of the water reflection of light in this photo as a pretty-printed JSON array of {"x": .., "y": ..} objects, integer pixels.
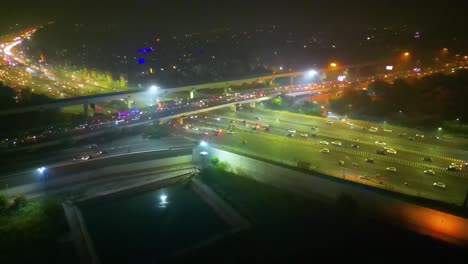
[{"x": 163, "y": 201}]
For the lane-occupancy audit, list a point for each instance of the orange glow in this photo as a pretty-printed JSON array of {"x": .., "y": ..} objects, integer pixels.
[
  {"x": 406, "y": 54},
  {"x": 333, "y": 64}
]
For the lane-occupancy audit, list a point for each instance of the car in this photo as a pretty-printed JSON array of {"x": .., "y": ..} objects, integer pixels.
[
  {"x": 290, "y": 135},
  {"x": 428, "y": 159},
  {"x": 355, "y": 164},
  {"x": 391, "y": 169},
  {"x": 373, "y": 129},
  {"x": 314, "y": 128},
  {"x": 338, "y": 143},
  {"x": 324, "y": 142},
  {"x": 92, "y": 146},
  {"x": 356, "y": 146},
  {"x": 305, "y": 135},
  {"x": 230, "y": 132},
  {"x": 381, "y": 152},
  {"x": 244, "y": 122},
  {"x": 291, "y": 131},
  {"x": 341, "y": 162},
  {"x": 420, "y": 135},
  {"x": 232, "y": 121},
  {"x": 439, "y": 185},
  {"x": 330, "y": 122},
  {"x": 258, "y": 118},
  {"x": 325, "y": 150},
  {"x": 454, "y": 168},
  {"x": 402, "y": 134},
  {"x": 392, "y": 151},
  {"x": 430, "y": 172},
  {"x": 370, "y": 160},
  {"x": 411, "y": 138},
  {"x": 364, "y": 178},
  {"x": 378, "y": 142},
  {"x": 388, "y": 130},
  {"x": 195, "y": 128}
]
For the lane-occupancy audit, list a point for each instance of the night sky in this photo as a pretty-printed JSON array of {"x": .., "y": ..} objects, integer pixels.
[{"x": 197, "y": 15}]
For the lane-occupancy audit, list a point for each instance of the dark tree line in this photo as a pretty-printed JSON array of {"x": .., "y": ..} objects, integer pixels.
[{"x": 428, "y": 101}]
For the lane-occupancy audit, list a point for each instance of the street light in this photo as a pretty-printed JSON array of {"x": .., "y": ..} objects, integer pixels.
[
  {"x": 333, "y": 64},
  {"x": 41, "y": 170},
  {"x": 311, "y": 73},
  {"x": 440, "y": 129},
  {"x": 406, "y": 54}
]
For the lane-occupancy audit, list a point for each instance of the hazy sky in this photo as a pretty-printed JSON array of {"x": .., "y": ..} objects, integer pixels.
[{"x": 188, "y": 15}]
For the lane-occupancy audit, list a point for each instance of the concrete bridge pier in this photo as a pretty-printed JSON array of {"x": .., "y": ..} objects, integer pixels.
[
  {"x": 180, "y": 120},
  {"x": 272, "y": 82},
  {"x": 85, "y": 110},
  {"x": 192, "y": 91},
  {"x": 252, "y": 104}
]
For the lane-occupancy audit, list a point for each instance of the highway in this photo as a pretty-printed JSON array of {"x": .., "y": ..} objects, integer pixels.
[
  {"x": 275, "y": 145},
  {"x": 68, "y": 156}
]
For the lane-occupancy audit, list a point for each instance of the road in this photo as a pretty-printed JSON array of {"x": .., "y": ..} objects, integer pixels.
[
  {"x": 275, "y": 145},
  {"x": 64, "y": 157}
]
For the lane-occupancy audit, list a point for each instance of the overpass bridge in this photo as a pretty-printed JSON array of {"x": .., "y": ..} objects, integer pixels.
[{"x": 130, "y": 96}]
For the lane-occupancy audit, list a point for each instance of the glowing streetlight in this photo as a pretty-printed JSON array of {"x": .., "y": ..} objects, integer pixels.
[
  {"x": 311, "y": 73},
  {"x": 406, "y": 54},
  {"x": 333, "y": 64},
  {"x": 41, "y": 170},
  {"x": 154, "y": 89}
]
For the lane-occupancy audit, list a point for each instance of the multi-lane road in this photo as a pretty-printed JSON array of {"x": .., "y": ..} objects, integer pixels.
[{"x": 278, "y": 145}]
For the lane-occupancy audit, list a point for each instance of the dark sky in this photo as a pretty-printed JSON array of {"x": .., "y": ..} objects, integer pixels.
[{"x": 190, "y": 15}]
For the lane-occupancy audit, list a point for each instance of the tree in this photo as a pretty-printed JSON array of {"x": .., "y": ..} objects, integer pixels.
[{"x": 123, "y": 82}]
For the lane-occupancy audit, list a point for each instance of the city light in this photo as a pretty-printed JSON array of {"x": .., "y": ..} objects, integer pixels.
[
  {"x": 311, "y": 73},
  {"x": 406, "y": 54},
  {"x": 333, "y": 64},
  {"x": 41, "y": 169},
  {"x": 154, "y": 88},
  {"x": 203, "y": 143}
]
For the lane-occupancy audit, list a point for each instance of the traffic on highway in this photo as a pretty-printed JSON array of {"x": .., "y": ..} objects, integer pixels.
[{"x": 427, "y": 166}]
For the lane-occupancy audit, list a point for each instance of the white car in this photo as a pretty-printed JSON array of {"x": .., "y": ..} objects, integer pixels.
[
  {"x": 391, "y": 151},
  {"x": 324, "y": 142},
  {"x": 325, "y": 150},
  {"x": 338, "y": 143},
  {"x": 430, "y": 172},
  {"x": 195, "y": 128},
  {"x": 392, "y": 169},
  {"x": 380, "y": 143},
  {"x": 230, "y": 132},
  {"x": 291, "y": 131},
  {"x": 304, "y": 135},
  {"x": 372, "y": 129},
  {"x": 330, "y": 122},
  {"x": 439, "y": 185}
]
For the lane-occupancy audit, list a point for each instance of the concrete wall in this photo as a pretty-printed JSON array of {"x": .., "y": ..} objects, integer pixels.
[{"x": 370, "y": 201}]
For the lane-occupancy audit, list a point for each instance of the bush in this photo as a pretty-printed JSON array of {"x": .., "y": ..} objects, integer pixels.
[
  {"x": 3, "y": 204},
  {"x": 18, "y": 202},
  {"x": 214, "y": 161},
  {"x": 223, "y": 165}
]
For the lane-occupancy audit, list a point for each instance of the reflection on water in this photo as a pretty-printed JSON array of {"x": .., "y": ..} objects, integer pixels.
[{"x": 144, "y": 227}]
